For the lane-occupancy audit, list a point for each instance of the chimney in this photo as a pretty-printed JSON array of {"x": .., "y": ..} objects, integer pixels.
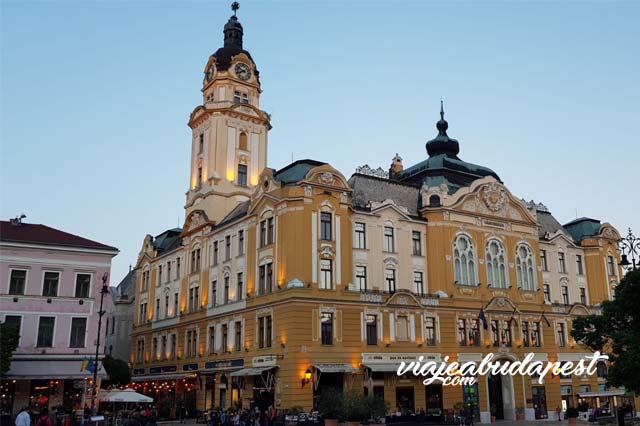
[{"x": 396, "y": 166}]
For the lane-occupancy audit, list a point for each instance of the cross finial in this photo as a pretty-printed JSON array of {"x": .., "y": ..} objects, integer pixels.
[{"x": 235, "y": 6}]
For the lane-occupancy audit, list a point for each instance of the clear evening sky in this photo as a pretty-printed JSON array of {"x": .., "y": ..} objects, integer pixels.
[{"x": 96, "y": 98}]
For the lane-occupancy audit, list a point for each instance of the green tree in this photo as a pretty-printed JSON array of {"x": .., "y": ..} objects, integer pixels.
[
  {"x": 616, "y": 332},
  {"x": 9, "y": 337},
  {"x": 118, "y": 370}
]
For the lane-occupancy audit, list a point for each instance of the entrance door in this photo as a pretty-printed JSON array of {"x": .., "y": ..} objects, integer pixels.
[
  {"x": 433, "y": 395},
  {"x": 539, "y": 402},
  {"x": 404, "y": 400},
  {"x": 495, "y": 396}
]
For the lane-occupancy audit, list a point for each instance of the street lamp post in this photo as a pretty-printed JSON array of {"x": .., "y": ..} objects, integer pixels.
[
  {"x": 103, "y": 291},
  {"x": 630, "y": 248}
]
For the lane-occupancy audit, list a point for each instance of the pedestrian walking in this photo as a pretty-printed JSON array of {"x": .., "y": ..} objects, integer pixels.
[{"x": 23, "y": 418}]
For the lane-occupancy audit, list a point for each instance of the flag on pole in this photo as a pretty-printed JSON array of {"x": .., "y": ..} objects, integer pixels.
[
  {"x": 483, "y": 318},
  {"x": 513, "y": 317},
  {"x": 546, "y": 320},
  {"x": 91, "y": 367},
  {"x": 85, "y": 363}
]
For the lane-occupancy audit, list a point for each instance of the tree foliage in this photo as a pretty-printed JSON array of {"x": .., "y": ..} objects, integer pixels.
[
  {"x": 118, "y": 370},
  {"x": 9, "y": 337},
  {"x": 616, "y": 332}
]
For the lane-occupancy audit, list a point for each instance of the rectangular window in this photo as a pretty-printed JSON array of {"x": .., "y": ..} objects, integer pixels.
[
  {"x": 611, "y": 265},
  {"x": 561, "y": 263},
  {"x": 560, "y": 335},
  {"x": 388, "y": 243},
  {"x": 242, "y": 174},
  {"x": 462, "y": 332},
  {"x": 372, "y": 329},
  {"x": 157, "y": 311},
  {"x": 262, "y": 279},
  {"x": 240, "y": 286},
  {"x": 269, "y": 331},
  {"x": 326, "y": 274},
  {"x": 163, "y": 348},
  {"x": 236, "y": 97},
  {"x": 325, "y": 226},
  {"x": 13, "y": 321},
  {"x": 159, "y": 274},
  {"x": 495, "y": 333},
  {"x": 225, "y": 338},
  {"x": 215, "y": 253},
  {"x": 565, "y": 294},
  {"x": 178, "y": 268},
  {"x": 17, "y": 281},
  {"x": 212, "y": 339},
  {"x": 269, "y": 286},
  {"x": 506, "y": 334},
  {"x": 166, "y": 306},
  {"x": 583, "y": 296},
  {"x": 201, "y": 143},
  {"x": 416, "y": 243},
  {"x": 326, "y": 327},
  {"x": 579, "y": 265},
  {"x": 474, "y": 332},
  {"x": 45, "y": 332},
  {"x": 543, "y": 260},
  {"x": 360, "y": 236},
  {"x": 430, "y": 331},
  {"x": 261, "y": 327},
  {"x": 525, "y": 333},
  {"x": 83, "y": 282},
  {"x": 214, "y": 293},
  {"x": 226, "y": 289},
  {"x": 270, "y": 231},
  {"x": 195, "y": 261},
  {"x": 361, "y": 277},
  {"x": 402, "y": 328},
  {"x": 176, "y": 298},
  {"x": 263, "y": 233},
  {"x": 227, "y": 247},
  {"x": 535, "y": 335},
  {"x": 547, "y": 292},
  {"x": 50, "y": 285},
  {"x": 390, "y": 280},
  {"x": 199, "y": 175},
  {"x": 418, "y": 282},
  {"x": 154, "y": 347},
  {"x": 140, "y": 351},
  {"x": 240, "y": 242},
  {"x": 78, "y": 331},
  {"x": 238, "y": 337},
  {"x": 168, "y": 271},
  {"x": 245, "y": 98}
]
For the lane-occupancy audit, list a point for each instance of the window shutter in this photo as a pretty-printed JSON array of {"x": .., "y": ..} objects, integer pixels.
[
  {"x": 315, "y": 319},
  {"x": 338, "y": 326},
  {"x": 362, "y": 327},
  {"x": 412, "y": 328},
  {"x": 392, "y": 327}
]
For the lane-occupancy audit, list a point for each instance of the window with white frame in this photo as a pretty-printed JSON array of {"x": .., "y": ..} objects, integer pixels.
[
  {"x": 430, "y": 331},
  {"x": 360, "y": 236},
  {"x": 17, "y": 281},
  {"x": 361, "y": 277},
  {"x": 418, "y": 282},
  {"x": 78, "y": 332},
  {"x": 565, "y": 294},
  {"x": 562, "y": 265},
  {"x": 212, "y": 339},
  {"x": 416, "y": 243},
  {"x": 371, "y": 329},
  {"x": 525, "y": 267},
  {"x": 611, "y": 265},
  {"x": 390, "y": 279},
  {"x": 46, "y": 325},
  {"x": 496, "y": 264},
  {"x": 402, "y": 328},
  {"x": 240, "y": 286},
  {"x": 561, "y": 338},
  {"x": 464, "y": 264},
  {"x": 325, "y": 226},
  {"x": 83, "y": 284},
  {"x": 388, "y": 243},
  {"x": 326, "y": 274},
  {"x": 50, "y": 284}
]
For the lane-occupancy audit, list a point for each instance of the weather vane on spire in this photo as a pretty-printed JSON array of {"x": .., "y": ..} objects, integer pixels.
[{"x": 235, "y": 6}]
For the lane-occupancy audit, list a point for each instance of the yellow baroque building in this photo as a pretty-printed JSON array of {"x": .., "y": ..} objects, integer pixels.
[{"x": 283, "y": 283}]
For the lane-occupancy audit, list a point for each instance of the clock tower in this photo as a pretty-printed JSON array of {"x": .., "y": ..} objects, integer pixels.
[{"x": 229, "y": 130}]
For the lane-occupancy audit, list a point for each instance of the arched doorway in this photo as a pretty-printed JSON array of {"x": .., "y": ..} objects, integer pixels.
[{"x": 500, "y": 394}]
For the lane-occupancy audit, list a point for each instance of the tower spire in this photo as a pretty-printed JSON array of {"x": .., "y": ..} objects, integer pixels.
[
  {"x": 443, "y": 144},
  {"x": 235, "y": 6}
]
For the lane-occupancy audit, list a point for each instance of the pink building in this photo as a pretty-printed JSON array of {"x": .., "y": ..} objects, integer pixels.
[{"x": 50, "y": 283}]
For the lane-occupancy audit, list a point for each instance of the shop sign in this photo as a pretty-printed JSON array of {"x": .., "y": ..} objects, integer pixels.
[
  {"x": 264, "y": 361},
  {"x": 388, "y": 358},
  {"x": 138, "y": 371},
  {"x": 164, "y": 369},
  {"x": 228, "y": 364},
  {"x": 190, "y": 367}
]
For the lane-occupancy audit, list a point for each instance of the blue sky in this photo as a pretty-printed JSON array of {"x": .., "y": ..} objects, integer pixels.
[{"x": 96, "y": 97}]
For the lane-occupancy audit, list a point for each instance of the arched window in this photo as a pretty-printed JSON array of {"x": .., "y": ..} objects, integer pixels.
[
  {"x": 601, "y": 370},
  {"x": 525, "y": 267},
  {"x": 243, "y": 141},
  {"x": 496, "y": 268},
  {"x": 434, "y": 201},
  {"x": 464, "y": 263}
]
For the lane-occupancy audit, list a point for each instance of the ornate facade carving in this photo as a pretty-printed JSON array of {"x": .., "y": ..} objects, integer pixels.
[{"x": 366, "y": 170}]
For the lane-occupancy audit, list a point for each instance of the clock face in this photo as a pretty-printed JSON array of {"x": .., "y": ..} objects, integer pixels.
[{"x": 242, "y": 71}]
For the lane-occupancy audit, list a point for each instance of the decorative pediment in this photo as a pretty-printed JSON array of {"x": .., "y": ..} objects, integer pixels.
[
  {"x": 501, "y": 304},
  {"x": 609, "y": 232},
  {"x": 197, "y": 219},
  {"x": 579, "y": 309},
  {"x": 403, "y": 298},
  {"x": 325, "y": 175},
  {"x": 376, "y": 207}
]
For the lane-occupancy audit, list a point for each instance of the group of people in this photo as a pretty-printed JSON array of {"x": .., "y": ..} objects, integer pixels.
[
  {"x": 42, "y": 418},
  {"x": 244, "y": 417}
]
